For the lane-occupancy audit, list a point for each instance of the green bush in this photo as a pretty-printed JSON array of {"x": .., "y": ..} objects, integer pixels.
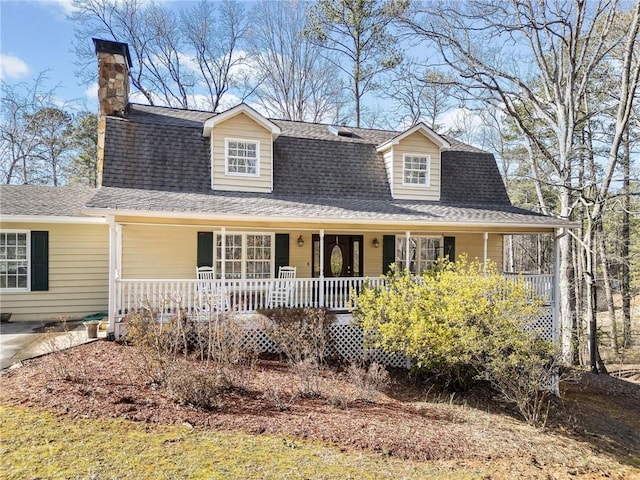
[{"x": 459, "y": 321}]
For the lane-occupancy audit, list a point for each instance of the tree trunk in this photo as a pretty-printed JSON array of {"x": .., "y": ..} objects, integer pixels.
[
  {"x": 625, "y": 277},
  {"x": 606, "y": 281}
]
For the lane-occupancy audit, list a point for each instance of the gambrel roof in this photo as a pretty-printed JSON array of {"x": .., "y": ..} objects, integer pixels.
[{"x": 159, "y": 148}]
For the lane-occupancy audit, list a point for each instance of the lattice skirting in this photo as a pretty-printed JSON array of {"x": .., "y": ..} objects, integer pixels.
[{"x": 346, "y": 342}]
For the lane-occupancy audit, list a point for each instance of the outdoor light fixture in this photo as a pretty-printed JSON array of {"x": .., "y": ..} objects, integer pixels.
[
  {"x": 300, "y": 241},
  {"x": 376, "y": 242}
]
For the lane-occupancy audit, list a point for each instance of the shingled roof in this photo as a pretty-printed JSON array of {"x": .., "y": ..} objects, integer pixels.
[
  {"x": 39, "y": 200},
  {"x": 160, "y": 148}
]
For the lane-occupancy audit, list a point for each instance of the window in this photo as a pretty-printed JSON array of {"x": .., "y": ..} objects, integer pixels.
[
  {"x": 247, "y": 255},
  {"x": 242, "y": 157},
  {"x": 415, "y": 170},
  {"x": 14, "y": 260},
  {"x": 423, "y": 251}
]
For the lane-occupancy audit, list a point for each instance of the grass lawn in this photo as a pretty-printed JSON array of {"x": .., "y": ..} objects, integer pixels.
[{"x": 38, "y": 444}]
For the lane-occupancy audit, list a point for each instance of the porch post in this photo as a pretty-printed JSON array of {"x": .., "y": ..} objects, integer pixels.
[
  {"x": 223, "y": 252},
  {"x": 113, "y": 274},
  {"x": 485, "y": 252},
  {"x": 407, "y": 250},
  {"x": 321, "y": 276}
]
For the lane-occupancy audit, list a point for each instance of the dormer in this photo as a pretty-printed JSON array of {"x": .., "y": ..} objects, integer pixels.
[
  {"x": 241, "y": 142},
  {"x": 412, "y": 160}
]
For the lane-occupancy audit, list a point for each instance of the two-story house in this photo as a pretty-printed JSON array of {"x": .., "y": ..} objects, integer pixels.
[{"x": 245, "y": 195}]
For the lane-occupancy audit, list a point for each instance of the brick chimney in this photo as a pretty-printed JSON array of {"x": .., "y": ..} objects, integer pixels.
[{"x": 114, "y": 62}]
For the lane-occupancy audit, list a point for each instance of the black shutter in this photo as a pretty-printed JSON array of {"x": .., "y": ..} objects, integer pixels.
[
  {"x": 282, "y": 250},
  {"x": 388, "y": 252},
  {"x": 205, "y": 249},
  {"x": 449, "y": 244},
  {"x": 39, "y": 261}
]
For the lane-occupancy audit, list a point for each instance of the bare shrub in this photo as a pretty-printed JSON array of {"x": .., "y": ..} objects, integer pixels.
[
  {"x": 276, "y": 397},
  {"x": 195, "y": 384},
  {"x": 58, "y": 341},
  {"x": 368, "y": 381},
  {"x": 302, "y": 335}
]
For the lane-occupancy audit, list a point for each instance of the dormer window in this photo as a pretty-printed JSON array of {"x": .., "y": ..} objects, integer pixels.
[
  {"x": 241, "y": 157},
  {"x": 416, "y": 170}
]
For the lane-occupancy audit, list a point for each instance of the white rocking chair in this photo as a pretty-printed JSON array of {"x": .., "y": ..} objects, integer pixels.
[
  {"x": 210, "y": 297},
  {"x": 282, "y": 290}
]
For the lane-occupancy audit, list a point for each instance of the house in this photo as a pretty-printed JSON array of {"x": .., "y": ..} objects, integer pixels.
[{"x": 246, "y": 194}]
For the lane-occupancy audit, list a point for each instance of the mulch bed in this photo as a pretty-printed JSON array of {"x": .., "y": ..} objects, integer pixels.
[{"x": 104, "y": 380}]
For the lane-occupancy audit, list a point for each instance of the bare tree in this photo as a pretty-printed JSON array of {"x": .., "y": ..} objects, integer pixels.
[
  {"x": 420, "y": 94},
  {"x": 175, "y": 55},
  {"x": 559, "y": 45},
  {"x": 297, "y": 83},
  {"x": 33, "y": 134},
  {"x": 356, "y": 37}
]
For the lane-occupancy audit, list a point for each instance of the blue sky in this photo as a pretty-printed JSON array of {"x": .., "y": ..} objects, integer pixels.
[{"x": 36, "y": 36}]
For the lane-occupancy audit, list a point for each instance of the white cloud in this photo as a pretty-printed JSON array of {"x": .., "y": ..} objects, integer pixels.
[
  {"x": 12, "y": 67},
  {"x": 91, "y": 91},
  {"x": 66, "y": 5}
]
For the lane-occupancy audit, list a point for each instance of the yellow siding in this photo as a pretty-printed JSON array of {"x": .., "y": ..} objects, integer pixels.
[
  {"x": 159, "y": 251},
  {"x": 78, "y": 274},
  {"x": 416, "y": 143},
  {"x": 473, "y": 245},
  {"x": 241, "y": 127}
]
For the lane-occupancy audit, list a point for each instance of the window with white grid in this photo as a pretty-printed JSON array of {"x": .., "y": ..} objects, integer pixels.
[
  {"x": 242, "y": 157},
  {"x": 14, "y": 260},
  {"x": 423, "y": 252},
  {"x": 415, "y": 169},
  {"x": 258, "y": 256},
  {"x": 247, "y": 255}
]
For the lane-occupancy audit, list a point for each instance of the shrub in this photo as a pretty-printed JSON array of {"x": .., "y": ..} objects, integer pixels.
[
  {"x": 458, "y": 321},
  {"x": 368, "y": 381},
  {"x": 302, "y": 336}
]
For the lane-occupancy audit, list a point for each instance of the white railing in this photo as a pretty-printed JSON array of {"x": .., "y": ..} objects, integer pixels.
[
  {"x": 250, "y": 295},
  {"x": 168, "y": 296},
  {"x": 541, "y": 284}
]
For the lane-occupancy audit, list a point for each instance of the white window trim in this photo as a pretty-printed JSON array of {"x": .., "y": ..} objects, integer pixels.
[
  {"x": 226, "y": 157},
  {"x": 28, "y": 287},
  {"x": 243, "y": 267},
  {"x": 440, "y": 238},
  {"x": 428, "y": 172}
]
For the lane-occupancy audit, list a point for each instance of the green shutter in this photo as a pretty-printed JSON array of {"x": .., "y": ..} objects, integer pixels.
[
  {"x": 388, "y": 252},
  {"x": 205, "y": 249},
  {"x": 39, "y": 261},
  {"x": 282, "y": 250},
  {"x": 449, "y": 244}
]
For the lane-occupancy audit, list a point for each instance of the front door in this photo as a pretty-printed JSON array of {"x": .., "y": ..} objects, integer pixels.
[{"x": 342, "y": 255}]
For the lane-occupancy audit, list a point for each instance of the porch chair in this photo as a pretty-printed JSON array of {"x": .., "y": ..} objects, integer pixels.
[
  {"x": 210, "y": 296},
  {"x": 282, "y": 290}
]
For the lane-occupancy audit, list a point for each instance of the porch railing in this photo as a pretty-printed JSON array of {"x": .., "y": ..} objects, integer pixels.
[
  {"x": 541, "y": 284},
  {"x": 246, "y": 296},
  {"x": 238, "y": 295}
]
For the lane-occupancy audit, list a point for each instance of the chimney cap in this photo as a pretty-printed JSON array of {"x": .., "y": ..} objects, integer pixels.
[{"x": 110, "y": 46}]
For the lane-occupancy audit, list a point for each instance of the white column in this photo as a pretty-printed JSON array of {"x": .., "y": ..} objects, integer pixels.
[
  {"x": 113, "y": 272},
  {"x": 407, "y": 250},
  {"x": 485, "y": 252},
  {"x": 223, "y": 252},
  {"x": 321, "y": 275}
]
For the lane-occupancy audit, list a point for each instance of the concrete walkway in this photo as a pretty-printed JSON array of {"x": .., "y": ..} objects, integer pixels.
[{"x": 21, "y": 340}]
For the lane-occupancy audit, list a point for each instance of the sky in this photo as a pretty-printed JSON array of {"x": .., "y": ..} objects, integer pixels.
[{"x": 35, "y": 36}]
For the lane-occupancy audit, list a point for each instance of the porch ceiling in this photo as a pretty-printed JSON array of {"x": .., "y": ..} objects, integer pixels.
[{"x": 228, "y": 208}]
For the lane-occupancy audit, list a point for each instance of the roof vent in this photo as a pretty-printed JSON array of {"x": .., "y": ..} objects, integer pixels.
[{"x": 340, "y": 131}]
